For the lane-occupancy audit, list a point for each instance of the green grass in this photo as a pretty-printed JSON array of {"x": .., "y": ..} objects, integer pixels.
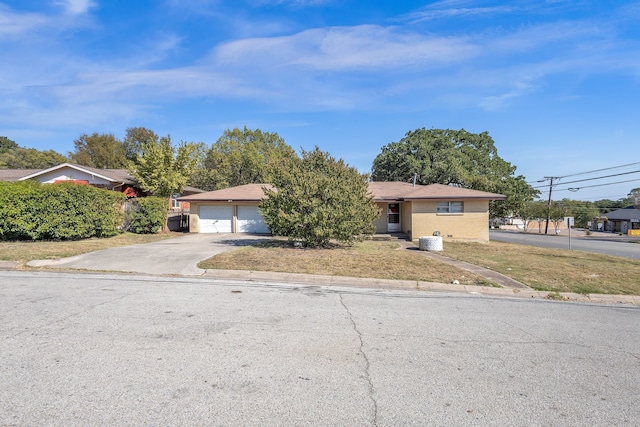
[
  {"x": 554, "y": 270},
  {"x": 372, "y": 259}
]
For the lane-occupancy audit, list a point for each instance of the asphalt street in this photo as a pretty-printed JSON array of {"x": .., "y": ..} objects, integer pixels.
[
  {"x": 612, "y": 245},
  {"x": 94, "y": 349}
]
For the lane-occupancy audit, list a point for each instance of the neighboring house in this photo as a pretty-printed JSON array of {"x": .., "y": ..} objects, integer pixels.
[
  {"x": 110, "y": 179},
  {"x": 625, "y": 220},
  {"x": 421, "y": 210}
]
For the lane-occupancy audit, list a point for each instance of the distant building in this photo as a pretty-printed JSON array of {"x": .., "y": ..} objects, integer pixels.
[{"x": 619, "y": 221}]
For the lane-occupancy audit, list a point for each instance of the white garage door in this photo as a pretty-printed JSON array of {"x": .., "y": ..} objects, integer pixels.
[
  {"x": 216, "y": 219},
  {"x": 250, "y": 220}
]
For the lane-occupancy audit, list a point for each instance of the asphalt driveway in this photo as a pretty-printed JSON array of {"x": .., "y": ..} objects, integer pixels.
[{"x": 179, "y": 256}]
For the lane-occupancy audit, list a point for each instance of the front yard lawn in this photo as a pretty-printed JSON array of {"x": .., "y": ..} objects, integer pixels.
[
  {"x": 555, "y": 270},
  {"x": 373, "y": 259}
]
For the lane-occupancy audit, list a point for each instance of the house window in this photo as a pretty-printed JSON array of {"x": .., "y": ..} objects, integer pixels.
[
  {"x": 450, "y": 207},
  {"x": 175, "y": 204}
]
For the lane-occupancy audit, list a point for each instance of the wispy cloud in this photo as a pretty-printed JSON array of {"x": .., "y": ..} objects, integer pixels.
[
  {"x": 76, "y": 7},
  {"x": 365, "y": 47},
  {"x": 14, "y": 24},
  {"x": 431, "y": 13},
  {"x": 294, "y": 3},
  {"x": 148, "y": 53},
  {"x": 337, "y": 68}
]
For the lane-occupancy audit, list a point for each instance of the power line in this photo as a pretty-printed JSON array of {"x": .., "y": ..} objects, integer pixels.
[
  {"x": 600, "y": 170},
  {"x": 590, "y": 179},
  {"x": 591, "y": 186},
  {"x": 588, "y": 172},
  {"x": 600, "y": 185}
]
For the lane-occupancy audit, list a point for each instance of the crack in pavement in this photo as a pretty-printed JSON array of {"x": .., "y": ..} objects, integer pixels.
[{"x": 367, "y": 364}]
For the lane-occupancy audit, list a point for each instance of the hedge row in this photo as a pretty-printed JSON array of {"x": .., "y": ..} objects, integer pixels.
[
  {"x": 146, "y": 215},
  {"x": 33, "y": 211}
]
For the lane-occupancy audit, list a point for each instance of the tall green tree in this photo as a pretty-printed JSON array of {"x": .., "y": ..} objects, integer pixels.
[
  {"x": 163, "y": 169},
  {"x": 319, "y": 199},
  {"x": 535, "y": 211},
  {"x": 135, "y": 139},
  {"x": 454, "y": 157},
  {"x": 557, "y": 213},
  {"x": 6, "y": 144},
  {"x": 608, "y": 205},
  {"x": 30, "y": 158},
  {"x": 582, "y": 212},
  {"x": 634, "y": 195},
  {"x": 99, "y": 150},
  {"x": 241, "y": 157}
]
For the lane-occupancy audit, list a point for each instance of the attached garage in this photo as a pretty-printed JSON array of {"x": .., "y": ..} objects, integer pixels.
[
  {"x": 230, "y": 210},
  {"x": 250, "y": 220},
  {"x": 216, "y": 219}
]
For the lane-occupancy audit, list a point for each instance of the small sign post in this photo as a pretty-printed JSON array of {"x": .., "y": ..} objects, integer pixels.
[{"x": 569, "y": 221}]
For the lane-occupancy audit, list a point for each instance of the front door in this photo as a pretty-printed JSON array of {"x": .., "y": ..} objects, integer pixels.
[{"x": 393, "y": 218}]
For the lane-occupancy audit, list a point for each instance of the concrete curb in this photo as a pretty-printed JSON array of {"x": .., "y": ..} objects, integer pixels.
[
  {"x": 322, "y": 280},
  {"x": 10, "y": 265},
  {"x": 309, "y": 279},
  {"x": 52, "y": 262}
]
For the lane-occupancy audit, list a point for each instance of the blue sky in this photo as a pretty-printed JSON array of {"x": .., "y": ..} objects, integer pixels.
[{"x": 555, "y": 83}]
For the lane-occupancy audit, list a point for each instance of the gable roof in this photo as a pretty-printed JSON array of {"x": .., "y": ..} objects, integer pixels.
[
  {"x": 15, "y": 174},
  {"x": 628, "y": 213},
  {"x": 381, "y": 191},
  {"x": 404, "y": 191},
  {"x": 111, "y": 175},
  {"x": 115, "y": 176},
  {"x": 241, "y": 193}
]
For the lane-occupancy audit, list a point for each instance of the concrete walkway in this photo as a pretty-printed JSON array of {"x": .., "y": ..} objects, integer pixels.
[{"x": 488, "y": 274}]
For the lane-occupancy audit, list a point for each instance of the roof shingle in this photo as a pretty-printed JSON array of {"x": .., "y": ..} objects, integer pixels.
[
  {"x": 242, "y": 193},
  {"x": 381, "y": 191}
]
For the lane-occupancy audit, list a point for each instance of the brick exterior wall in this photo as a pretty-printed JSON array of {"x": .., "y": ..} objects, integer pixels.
[
  {"x": 420, "y": 219},
  {"x": 472, "y": 225}
]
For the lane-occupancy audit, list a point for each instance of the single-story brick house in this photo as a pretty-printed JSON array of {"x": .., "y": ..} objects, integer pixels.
[
  {"x": 110, "y": 179},
  {"x": 421, "y": 210}
]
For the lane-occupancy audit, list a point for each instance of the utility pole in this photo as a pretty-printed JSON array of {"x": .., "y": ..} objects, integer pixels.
[{"x": 550, "y": 178}]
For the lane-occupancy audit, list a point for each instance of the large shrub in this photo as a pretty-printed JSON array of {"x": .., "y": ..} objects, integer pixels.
[
  {"x": 146, "y": 215},
  {"x": 65, "y": 211},
  {"x": 318, "y": 200}
]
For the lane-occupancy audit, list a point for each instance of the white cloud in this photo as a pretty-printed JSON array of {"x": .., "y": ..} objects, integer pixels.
[
  {"x": 15, "y": 24},
  {"x": 294, "y": 3},
  {"x": 76, "y": 7},
  {"x": 500, "y": 102},
  {"x": 336, "y": 68},
  {"x": 347, "y": 48},
  {"x": 430, "y": 14}
]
